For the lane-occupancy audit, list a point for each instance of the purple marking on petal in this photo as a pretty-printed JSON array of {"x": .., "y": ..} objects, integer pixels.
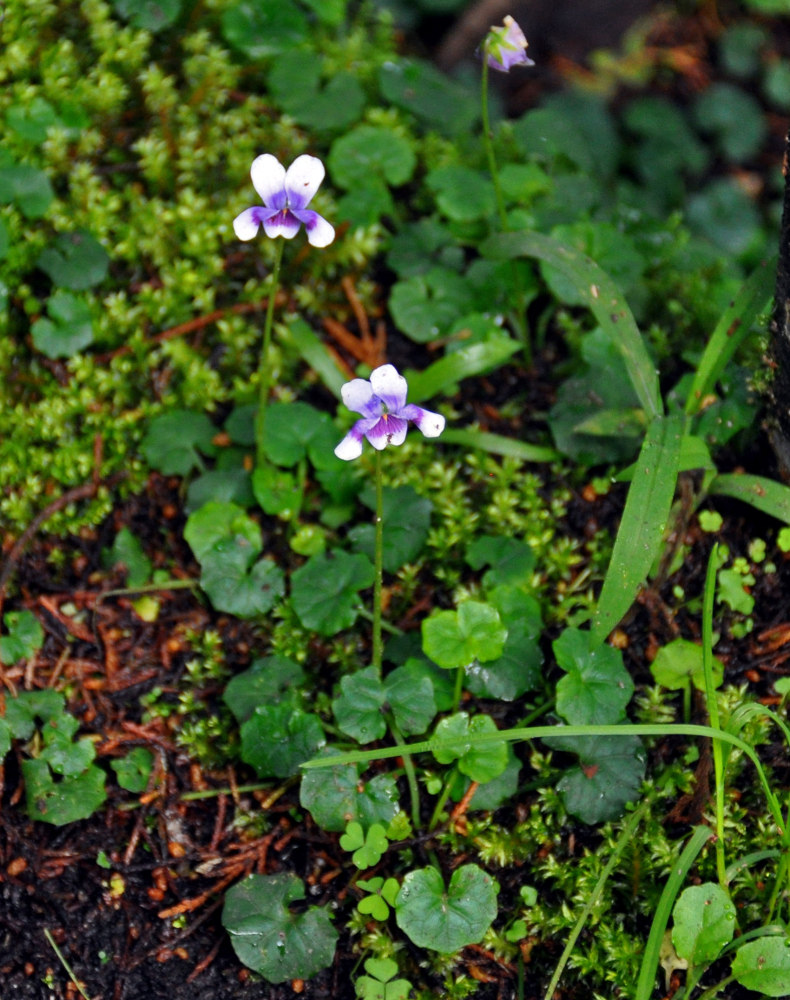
[
  {"x": 390, "y": 386},
  {"x": 387, "y": 430},
  {"x": 302, "y": 180},
  {"x": 247, "y": 224},
  {"x": 268, "y": 179},
  {"x": 282, "y": 223},
  {"x": 320, "y": 233},
  {"x": 431, "y": 424},
  {"x": 358, "y": 397}
]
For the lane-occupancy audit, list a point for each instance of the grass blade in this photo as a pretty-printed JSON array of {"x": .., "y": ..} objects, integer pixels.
[
  {"x": 473, "y": 359},
  {"x": 732, "y": 329},
  {"x": 765, "y": 494},
  {"x": 600, "y": 294},
  {"x": 497, "y": 444},
  {"x": 642, "y": 526}
]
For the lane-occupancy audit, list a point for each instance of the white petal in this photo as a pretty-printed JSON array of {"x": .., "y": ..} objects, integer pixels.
[
  {"x": 268, "y": 179},
  {"x": 247, "y": 224},
  {"x": 350, "y": 447},
  {"x": 303, "y": 179},
  {"x": 358, "y": 396},
  {"x": 390, "y": 386},
  {"x": 320, "y": 233},
  {"x": 431, "y": 424}
]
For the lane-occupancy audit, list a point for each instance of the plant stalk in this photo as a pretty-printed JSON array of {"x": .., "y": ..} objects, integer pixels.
[
  {"x": 378, "y": 567},
  {"x": 264, "y": 365}
]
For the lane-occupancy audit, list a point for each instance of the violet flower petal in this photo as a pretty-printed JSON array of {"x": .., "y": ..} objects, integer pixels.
[
  {"x": 268, "y": 179},
  {"x": 390, "y": 386},
  {"x": 302, "y": 180}
]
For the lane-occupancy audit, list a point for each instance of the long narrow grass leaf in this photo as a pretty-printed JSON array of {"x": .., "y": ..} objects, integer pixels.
[
  {"x": 473, "y": 359},
  {"x": 647, "y": 973},
  {"x": 315, "y": 352},
  {"x": 765, "y": 494},
  {"x": 732, "y": 329},
  {"x": 603, "y": 298},
  {"x": 497, "y": 444},
  {"x": 644, "y": 519}
]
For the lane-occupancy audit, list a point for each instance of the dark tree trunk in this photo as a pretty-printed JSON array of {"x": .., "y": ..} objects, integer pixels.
[{"x": 780, "y": 337}]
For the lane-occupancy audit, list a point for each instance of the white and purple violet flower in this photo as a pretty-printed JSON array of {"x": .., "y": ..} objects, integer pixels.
[
  {"x": 385, "y": 412},
  {"x": 286, "y": 195},
  {"x": 506, "y": 46}
]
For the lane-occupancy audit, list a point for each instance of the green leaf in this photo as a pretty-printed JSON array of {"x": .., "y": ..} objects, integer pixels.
[
  {"x": 277, "y": 491},
  {"x": 734, "y": 117},
  {"x": 216, "y": 522},
  {"x": 497, "y": 444},
  {"x": 462, "y": 194},
  {"x": 491, "y": 794},
  {"x": 262, "y": 28},
  {"x": 763, "y": 494},
  {"x": 266, "y": 682},
  {"x": 331, "y": 12},
  {"x": 175, "y": 440},
  {"x": 66, "y": 756},
  {"x": 410, "y": 696},
  {"x": 609, "y": 775},
  {"x": 726, "y": 215},
  {"x": 65, "y": 801},
  {"x": 22, "y": 711},
  {"x": 359, "y": 709},
  {"x": 223, "y": 484},
  {"x": 148, "y": 15},
  {"x": 295, "y": 430},
  {"x": 270, "y": 938},
  {"x": 234, "y": 586},
  {"x": 763, "y": 966},
  {"x": 336, "y": 795},
  {"x": 298, "y": 82},
  {"x": 406, "y": 517},
  {"x": 644, "y": 520},
  {"x": 325, "y": 591},
  {"x": 481, "y": 762},
  {"x": 134, "y": 770},
  {"x": 75, "y": 260},
  {"x": 734, "y": 326},
  {"x": 456, "y": 638},
  {"x": 127, "y": 552},
  {"x": 382, "y": 896},
  {"x": 32, "y": 119},
  {"x": 446, "y": 918},
  {"x": 704, "y": 921},
  {"x": 597, "y": 687},
  {"x": 511, "y": 560},
  {"x": 599, "y": 293},
  {"x": 276, "y": 739},
  {"x": 68, "y": 329},
  {"x": 417, "y": 86},
  {"x": 315, "y": 353},
  {"x": 25, "y": 637},
  {"x": 368, "y": 847},
  {"x": 28, "y": 188},
  {"x": 371, "y": 151},
  {"x": 424, "y": 307},
  {"x": 678, "y": 665}
]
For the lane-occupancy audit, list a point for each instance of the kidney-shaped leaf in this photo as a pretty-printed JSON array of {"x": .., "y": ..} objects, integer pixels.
[
  {"x": 455, "y": 638},
  {"x": 269, "y": 937},
  {"x": 324, "y": 591},
  {"x": 704, "y": 918},
  {"x": 764, "y": 966},
  {"x": 609, "y": 775},
  {"x": 444, "y": 918},
  {"x": 336, "y": 796},
  {"x": 597, "y": 687}
]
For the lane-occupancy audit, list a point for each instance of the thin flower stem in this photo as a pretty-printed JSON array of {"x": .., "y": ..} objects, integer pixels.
[
  {"x": 445, "y": 795},
  {"x": 378, "y": 566},
  {"x": 519, "y": 317},
  {"x": 459, "y": 684},
  {"x": 264, "y": 365},
  {"x": 411, "y": 773},
  {"x": 713, "y": 707}
]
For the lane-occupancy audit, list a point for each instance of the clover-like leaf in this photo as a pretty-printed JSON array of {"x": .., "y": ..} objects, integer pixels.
[
  {"x": 446, "y": 918},
  {"x": 337, "y": 795},
  {"x": 609, "y": 775},
  {"x": 367, "y": 848},
  {"x": 324, "y": 592},
  {"x": 479, "y": 761},
  {"x": 456, "y": 638},
  {"x": 175, "y": 440},
  {"x": 704, "y": 921},
  {"x": 382, "y": 895},
  {"x": 597, "y": 687},
  {"x": 358, "y": 709},
  {"x": 270, "y": 938},
  {"x": 276, "y": 739},
  {"x": 22, "y": 711},
  {"x": 68, "y": 328},
  {"x": 380, "y": 983},
  {"x": 764, "y": 966}
]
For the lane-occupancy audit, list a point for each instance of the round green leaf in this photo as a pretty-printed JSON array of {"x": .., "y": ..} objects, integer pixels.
[
  {"x": 426, "y": 306},
  {"x": 407, "y": 519},
  {"x": 134, "y": 770},
  {"x": 265, "y": 683},
  {"x": 28, "y": 188},
  {"x": 371, "y": 151},
  {"x": 597, "y": 687},
  {"x": 261, "y": 28},
  {"x": 276, "y": 739},
  {"x": 456, "y": 638},
  {"x": 609, "y": 775},
  {"x": 215, "y": 522},
  {"x": 25, "y": 636},
  {"x": 63, "y": 801},
  {"x": 32, "y": 119},
  {"x": 410, "y": 696},
  {"x": 269, "y": 937},
  {"x": 479, "y": 761},
  {"x": 75, "y": 260},
  {"x": 68, "y": 329},
  {"x": 298, "y": 87},
  {"x": 462, "y": 194},
  {"x": 174, "y": 441},
  {"x": 150, "y": 15},
  {"x": 234, "y": 587},
  {"x": 335, "y": 796},
  {"x": 704, "y": 921},
  {"x": 679, "y": 664},
  {"x": 764, "y": 966},
  {"x": 324, "y": 592},
  {"x": 442, "y": 918},
  {"x": 358, "y": 710}
]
